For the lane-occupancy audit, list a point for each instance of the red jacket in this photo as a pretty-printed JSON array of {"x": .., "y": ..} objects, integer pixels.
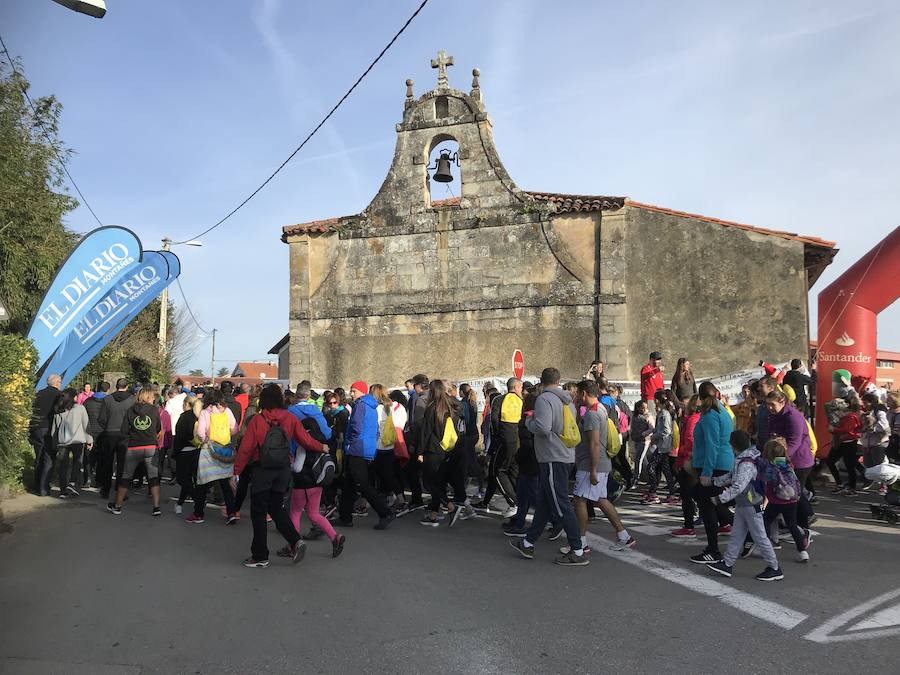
[
  {"x": 849, "y": 427},
  {"x": 686, "y": 441},
  {"x": 651, "y": 382},
  {"x": 257, "y": 428}
]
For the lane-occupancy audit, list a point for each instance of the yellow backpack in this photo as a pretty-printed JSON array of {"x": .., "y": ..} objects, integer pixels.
[
  {"x": 613, "y": 439},
  {"x": 388, "y": 432},
  {"x": 219, "y": 429},
  {"x": 813, "y": 443},
  {"x": 570, "y": 435},
  {"x": 676, "y": 436},
  {"x": 450, "y": 437}
]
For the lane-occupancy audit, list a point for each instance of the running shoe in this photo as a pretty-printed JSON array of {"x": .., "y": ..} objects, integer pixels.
[
  {"x": 284, "y": 552},
  {"x": 156, "y": 511},
  {"x": 674, "y": 500},
  {"x": 113, "y": 509},
  {"x": 623, "y": 545},
  {"x": 194, "y": 519},
  {"x": 329, "y": 511},
  {"x": 337, "y": 545},
  {"x": 513, "y": 531},
  {"x": 429, "y": 520},
  {"x": 650, "y": 499},
  {"x": 231, "y": 519},
  {"x": 457, "y": 512},
  {"x": 849, "y": 493},
  {"x": 721, "y": 568},
  {"x": 725, "y": 530},
  {"x": 402, "y": 509},
  {"x": 556, "y": 532},
  {"x": 511, "y": 512},
  {"x": 298, "y": 550},
  {"x": 807, "y": 540},
  {"x": 63, "y": 495},
  {"x": 882, "y": 490},
  {"x": 698, "y": 522},
  {"x": 70, "y": 489},
  {"x": 524, "y": 551},
  {"x": 684, "y": 532},
  {"x": 250, "y": 562},
  {"x": 467, "y": 512},
  {"x": 706, "y": 558},
  {"x": 586, "y": 550},
  {"x": 572, "y": 559},
  {"x": 362, "y": 511},
  {"x": 776, "y": 545},
  {"x": 802, "y": 556},
  {"x": 769, "y": 574},
  {"x": 747, "y": 549}
]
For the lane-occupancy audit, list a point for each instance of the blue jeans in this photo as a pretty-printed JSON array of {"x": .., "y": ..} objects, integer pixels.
[
  {"x": 553, "y": 504},
  {"x": 527, "y": 490}
]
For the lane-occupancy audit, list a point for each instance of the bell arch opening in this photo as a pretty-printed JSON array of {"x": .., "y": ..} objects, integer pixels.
[{"x": 443, "y": 177}]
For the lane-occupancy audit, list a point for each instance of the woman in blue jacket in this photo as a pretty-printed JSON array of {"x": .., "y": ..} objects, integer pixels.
[{"x": 712, "y": 456}]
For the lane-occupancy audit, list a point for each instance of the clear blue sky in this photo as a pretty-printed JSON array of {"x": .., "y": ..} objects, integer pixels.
[{"x": 781, "y": 115}]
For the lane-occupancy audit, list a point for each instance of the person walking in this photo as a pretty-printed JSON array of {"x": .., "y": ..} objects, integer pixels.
[
  {"x": 506, "y": 412},
  {"x": 661, "y": 445},
  {"x": 140, "y": 432},
  {"x": 683, "y": 383},
  {"x": 266, "y": 446},
  {"x": 360, "y": 442},
  {"x": 216, "y": 426},
  {"x": 69, "y": 431},
  {"x": 684, "y": 470},
  {"x": 39, "y": 434},
  {"x": 787, "y": 422},
  {"x": 111, "y": 453},
  {"x": 469, "y": 414},
  {"x": 186, "y": 448},
  {"x": 556, "y": 459},
  {"x": 93, "y": 406}
]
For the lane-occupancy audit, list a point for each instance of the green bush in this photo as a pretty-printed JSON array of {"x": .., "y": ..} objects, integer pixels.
[{"x": 17, "y": 376}]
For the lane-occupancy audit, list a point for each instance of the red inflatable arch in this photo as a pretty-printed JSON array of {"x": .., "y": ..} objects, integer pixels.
[{"x": 848, "y": 311}]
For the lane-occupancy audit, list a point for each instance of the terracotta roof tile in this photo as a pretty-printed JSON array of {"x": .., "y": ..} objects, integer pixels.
[
  {"x": 450, "y": 201},
  {"x": 315, "y": 226},
  {"x": 815, "y": 241},
  {"x": 574, "y": 203},
  {"x": 260, "y": 370}
]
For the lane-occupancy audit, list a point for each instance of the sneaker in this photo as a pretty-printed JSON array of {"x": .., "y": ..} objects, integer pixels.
[
  {"x": 674, "y": 501},
  {"x": 698, "y": 522},
  {"x": 747, "y": 550},
  {"x": 807, "y": 540},
  {"x": 881, "y": 490},
  {"x": 385, "y": 521},
  {"x": 684, "y": 532},
  {"x": 706, "y": 558},
  {"x": 429, "y": 520},
  {"x": 802, "y": 556},
  {"x": 513, "y": 531},
  {"x": 178, "y": 509},
  {"x": 586, "y": 550},
  {"x": 511, "y": 512},
  {"x": 769, "y": 574},
  {"x": 250, "y": 562},
  {"x": 231, "y": 519},
  {"x": 457, "y": 512},
  {"x": 556, "y": 532},
  {"x": 337, "y": 545},
  {"x": 362, "y": 511},
  {"x": 572, "y": 559},
  {"x": 402, "y": 509},
  {"x": 519, "y": 545},
  {"x": 70, "y": 490},
  {"x": 849, "y": 493},
  {"x": 623, "y": 545},
  {"x": 194, "y": 519},
  {"x": 329, "y": 511},
  {"x": 298, "y": 550},
  {"x": 284, "y": 552},
  {"x": 113, "y": 509},
  {"x": 721, "y": 568},
  {"x": 156, "y": 511},
  {"x": 776, "y": 545},
  {"x": 63, "y": 495},
  {"x": 725, "y": 530},
  {"x": 467, "y": 512},
  {"x": 650, "y": 499}
]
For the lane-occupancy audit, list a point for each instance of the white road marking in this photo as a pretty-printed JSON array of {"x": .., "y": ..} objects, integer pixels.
[
  {"x": 881, "y": 624},
  {"x": 776, "y": 614}
]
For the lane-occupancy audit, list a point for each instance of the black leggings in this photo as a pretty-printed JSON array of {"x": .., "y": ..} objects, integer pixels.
[
  {"x": 789, "y": 512},
  {"x": 847, "y": 452},
  {"x": 713, "y": 515},
  {"x": 200, "y": 496},
  {"x": 661, "y": 463},
  {"x": 688, "y": 482}
]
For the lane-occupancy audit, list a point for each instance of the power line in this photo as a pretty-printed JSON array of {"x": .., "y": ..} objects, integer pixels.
[
  {"x": 188, "y": 307},
  {"x": 47, "y": 135},
  {"x": 318, "y": 126}
]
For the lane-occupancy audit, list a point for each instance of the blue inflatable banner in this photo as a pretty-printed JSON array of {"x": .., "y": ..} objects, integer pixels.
[
  {"x": 112, "y": 313},
  {"x": 99, "y": 261}
]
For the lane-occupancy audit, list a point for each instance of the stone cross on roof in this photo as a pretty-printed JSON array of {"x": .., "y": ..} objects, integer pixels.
[{"x": 441, "y": 63}]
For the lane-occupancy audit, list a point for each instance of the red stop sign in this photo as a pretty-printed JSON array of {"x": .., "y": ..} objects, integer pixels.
[{"x": 518, "y": 363}]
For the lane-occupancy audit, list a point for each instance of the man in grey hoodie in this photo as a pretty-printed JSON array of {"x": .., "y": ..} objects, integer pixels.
[
  {"x": 112, "y": 444},
  {"x": 556, "y": 461}
]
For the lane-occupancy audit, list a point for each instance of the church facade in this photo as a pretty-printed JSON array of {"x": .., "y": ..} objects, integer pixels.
[{"x": 452, "y": 287}]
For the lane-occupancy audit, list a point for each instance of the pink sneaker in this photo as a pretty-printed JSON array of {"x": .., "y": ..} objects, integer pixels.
[
  {"x": 194, "y": 519},
  {"x": 650, "y": 499},
  {"x": 725, "y": 529},
  {"x": 684, "y": 532},
  {"x": 673, "y": 501}
]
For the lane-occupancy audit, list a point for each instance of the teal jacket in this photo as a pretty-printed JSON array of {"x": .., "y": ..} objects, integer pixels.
[{"x": 712, "y": 447}]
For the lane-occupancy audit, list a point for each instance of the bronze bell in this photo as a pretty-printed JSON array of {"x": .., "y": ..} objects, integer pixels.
[{"x": 443, "y": 175}]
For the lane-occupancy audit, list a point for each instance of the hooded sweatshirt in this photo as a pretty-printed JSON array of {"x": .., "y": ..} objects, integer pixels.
[
  {"x": 712, "y": 443},
  {"x": 742, "y": 483},
  {"x": 113, "y": 411},
  {"x": 75, "y": 419},
  {"x": 94, "y": 405},
  {"x": 362, "y": 430},
  {"x": 547, "y": 426},
  {"x": 141, "y": 425},
  {"x": 792, "y": 426},
  {"x": 876, "y": 429}
]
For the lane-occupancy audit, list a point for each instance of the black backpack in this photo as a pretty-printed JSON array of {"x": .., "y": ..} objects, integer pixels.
[
  {"x": 312, "y": 428},
  {"x": 275, "y": 451}
]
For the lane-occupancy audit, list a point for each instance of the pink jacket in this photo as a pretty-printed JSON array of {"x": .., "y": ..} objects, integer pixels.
[{"x": 203, "y": 421}]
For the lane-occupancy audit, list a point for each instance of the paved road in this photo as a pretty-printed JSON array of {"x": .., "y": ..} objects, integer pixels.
[{"x": 82, "y": 591}]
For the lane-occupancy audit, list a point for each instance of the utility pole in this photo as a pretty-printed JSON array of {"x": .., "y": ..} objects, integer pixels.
[
  {"x": 212, "y": 366},
  {"x": 164, "y": 308}
]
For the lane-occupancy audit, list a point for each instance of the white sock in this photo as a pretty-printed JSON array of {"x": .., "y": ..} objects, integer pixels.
[
  {"x": 527, "y": 543},
  {"x": 583, "y": 542},
  {"x": 623, "y": 535},
  {"x": 579, "y": 551}
]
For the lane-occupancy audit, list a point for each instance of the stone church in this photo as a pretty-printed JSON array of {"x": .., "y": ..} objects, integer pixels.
[{"x": 451, "y": 287}]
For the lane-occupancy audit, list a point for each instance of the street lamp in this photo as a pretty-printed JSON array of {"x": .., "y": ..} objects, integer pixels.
[
  {"x": 94, "y": 8},
  {"x": 164, "y": 297}
]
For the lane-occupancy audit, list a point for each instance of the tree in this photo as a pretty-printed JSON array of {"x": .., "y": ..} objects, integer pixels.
[
  {"x": 196, "y": 372},
  {"x": 33, "y": 240},
  {"x": 223, "y": 372}
]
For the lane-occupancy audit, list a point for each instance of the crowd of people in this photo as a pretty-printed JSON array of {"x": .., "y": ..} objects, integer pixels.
[{"x": 558, "y": 451}]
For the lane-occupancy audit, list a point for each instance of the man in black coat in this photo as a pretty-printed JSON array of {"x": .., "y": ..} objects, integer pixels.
[{"x": 39, "y": 434}]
